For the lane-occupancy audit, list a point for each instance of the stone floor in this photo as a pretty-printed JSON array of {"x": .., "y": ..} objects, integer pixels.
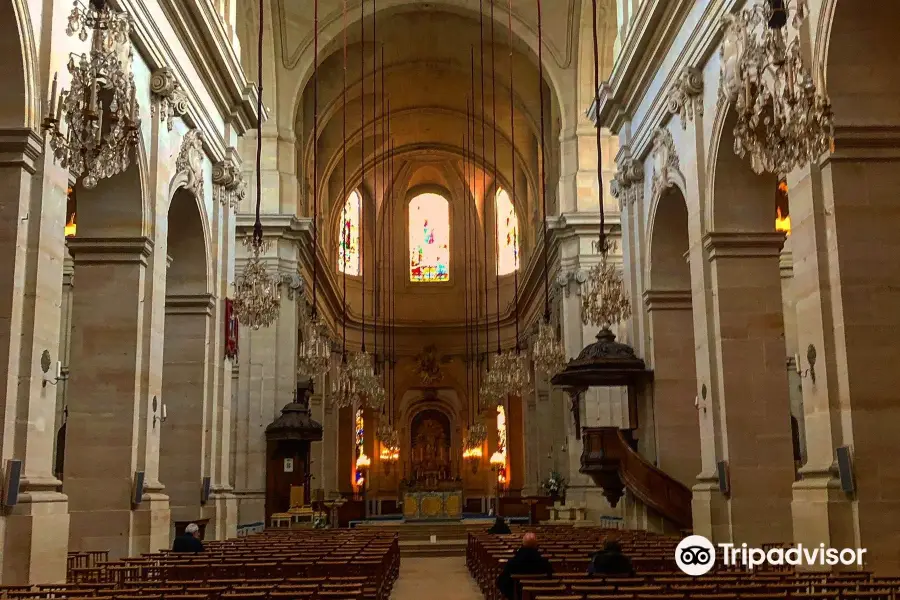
[{"x": 435, "y": 579}]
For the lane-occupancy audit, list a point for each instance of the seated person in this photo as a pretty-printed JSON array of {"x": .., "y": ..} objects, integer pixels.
[
  {"x": 499, "y": 527},
  {"x": 190, "y": 541},
  {"x": 611, "y": 561},
  {"x": 527, "y": 560}
]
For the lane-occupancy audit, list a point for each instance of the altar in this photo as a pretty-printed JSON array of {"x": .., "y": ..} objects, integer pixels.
[{"x": 432, "y": 505}]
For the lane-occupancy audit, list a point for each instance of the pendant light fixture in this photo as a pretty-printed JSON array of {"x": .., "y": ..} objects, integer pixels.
[
  {"x": 491, "y": 391},
  {"x": 257, "y": 297},
  {"x": 605, "y": 302},
  {"x": 370, "y": 392},
  {"x": 344, "y": 388},
  {"x": 315, "y": 346},
  {"x": 548, "y": 352},
  {"x": 515, "y": 373}
]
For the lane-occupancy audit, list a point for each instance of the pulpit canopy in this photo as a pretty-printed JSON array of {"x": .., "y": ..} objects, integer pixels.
[
  {"x": 605, "y": 363},
  {"x": 295, "y": 422}
]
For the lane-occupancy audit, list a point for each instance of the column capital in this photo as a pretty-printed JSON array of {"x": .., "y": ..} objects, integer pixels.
[
  {"x": 190, "y": 304},
  {"x": 741, "y": 244},
  {"x": 87, "y": 251},
  {"x": 667, "y": 300},
  {"x": 20, "y": 146}
]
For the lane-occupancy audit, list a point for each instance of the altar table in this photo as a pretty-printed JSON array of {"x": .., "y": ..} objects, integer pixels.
[{"x": 428, "y": 506}]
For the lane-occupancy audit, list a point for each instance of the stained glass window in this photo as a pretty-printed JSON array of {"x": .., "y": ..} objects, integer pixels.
[
  {"x": 429, "y": 238},
  {"x": 501, "y": 442},
  {"x": 348, "y": 245},
  {"x": 507, "y": 234},
  {"x": 360, "y": 427}
]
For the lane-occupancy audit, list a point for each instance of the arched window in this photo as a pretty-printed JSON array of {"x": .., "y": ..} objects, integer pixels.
[
  {"x": 348, "y": 244},
  {"x": 507, "y": 234},
  {"x": 429, "y": 238}
]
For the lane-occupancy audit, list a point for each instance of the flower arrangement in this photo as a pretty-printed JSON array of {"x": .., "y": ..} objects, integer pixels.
[{"x": 555, "y": 484}]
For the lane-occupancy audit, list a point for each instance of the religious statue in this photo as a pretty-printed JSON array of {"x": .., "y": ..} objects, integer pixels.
[{"x": 428, "y": 365}]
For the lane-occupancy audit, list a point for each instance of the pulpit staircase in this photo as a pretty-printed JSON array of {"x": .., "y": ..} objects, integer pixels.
[{"x": 610, "y": 459}]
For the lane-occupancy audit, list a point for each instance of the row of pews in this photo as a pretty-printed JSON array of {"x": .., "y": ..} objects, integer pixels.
[
  {"x": 569, "y": 550},
  {"x": 287, "y": 564}
]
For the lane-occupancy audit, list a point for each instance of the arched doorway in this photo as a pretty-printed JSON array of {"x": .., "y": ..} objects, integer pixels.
[
  {"x": 185, "y": 380},
  {"x": 749, "y": 386},
  {"x": 671, "y": 320}
]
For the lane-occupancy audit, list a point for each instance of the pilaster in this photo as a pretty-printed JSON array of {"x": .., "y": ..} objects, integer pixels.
[{"x": 110, "y": 420}]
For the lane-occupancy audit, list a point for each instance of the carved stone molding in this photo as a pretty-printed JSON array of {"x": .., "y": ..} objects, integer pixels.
[
  {"x": 189, "y": 164},
  {"x": 666, "y": 164},
  {"x": 167, "y": 96},
  {"x": 728, "y": 244},
  {"x": 686, "y": 96},
  {"x": 628, "y": 182},
  {"x": 228, "y": 183},
  {"x": 294, "y": 284},
  {"x": 667, "y": 300},
  {"x": 564, "y": 281}
]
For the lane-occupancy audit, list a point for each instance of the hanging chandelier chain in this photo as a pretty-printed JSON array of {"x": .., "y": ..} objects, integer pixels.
[{"x": 603, "y": 244}]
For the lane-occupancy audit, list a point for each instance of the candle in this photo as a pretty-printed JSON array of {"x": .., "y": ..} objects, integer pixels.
[
  {"x": 59, "y": 107},
  {"x": 94, "y": 96}
]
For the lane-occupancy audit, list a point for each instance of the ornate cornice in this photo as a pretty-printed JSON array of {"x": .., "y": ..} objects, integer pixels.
[
  {"x": 101, "y": 251},
  {"x": 686, "y": 96},
  {"x": 739, "y": 244},
  {"x": 166, "y": 96},
  {"x": 20, "y": 147},
  {"x": 667, "y": 300}
]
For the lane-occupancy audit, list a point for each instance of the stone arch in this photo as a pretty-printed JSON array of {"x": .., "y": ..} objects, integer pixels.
[
  {"x": 669, "y": 305},
  {"x": 857, "y": 56},
  {"x": 740, "y": 200},
  {"x": 331, "y": 26},
  {"x": 187, "y": 246},
  {"x": 20, "y": 103},
  {"x": 189, "y": 309},
  {"x": 668, "y": 241},
  {"x": 119, "y": 206}
]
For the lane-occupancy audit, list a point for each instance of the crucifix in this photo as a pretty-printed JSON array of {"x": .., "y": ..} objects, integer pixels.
[{"x": 575, "y": 408}]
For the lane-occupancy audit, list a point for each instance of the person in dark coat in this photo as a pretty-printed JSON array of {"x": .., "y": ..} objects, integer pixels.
[
  {"x": 527, "y": 560},
  {"x": 190, "y": 541},
  {"x": 499, "y": 527},
  {"x": 611, "y": 561}
]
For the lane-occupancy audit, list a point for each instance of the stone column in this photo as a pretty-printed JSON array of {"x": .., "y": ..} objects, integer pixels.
[
  {"x": 674, "y": 383},
  {"x": 106, "y": 431},
  {"x": 34, "y": 532},
  {"x": 752, "y": 390},
  {"x": 848, "y": 321},
  {"x": 184, "y": 436}
]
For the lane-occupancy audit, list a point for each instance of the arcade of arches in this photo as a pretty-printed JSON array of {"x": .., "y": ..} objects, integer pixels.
[{"x": 766, "y": 307}]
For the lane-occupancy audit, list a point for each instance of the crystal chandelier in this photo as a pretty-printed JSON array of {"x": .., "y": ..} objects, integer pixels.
[
  {"x": 548, "y": 352},
  {"x": 344, "y": 391},
  {"x": 783, "y": 120},
  {"x": 390, "y": 442},
  {"x": 513, "y": 374},
  {"x": 605, "y": 302},
  {"x": 101, "y": 109},
  {"x": 475, "y": 438},
  {"x": 368, "y": 385},
  {"x": 315, "y": 348},
  {"x": 257, "y": 296},
  {"x": 492, "y": 391}
]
